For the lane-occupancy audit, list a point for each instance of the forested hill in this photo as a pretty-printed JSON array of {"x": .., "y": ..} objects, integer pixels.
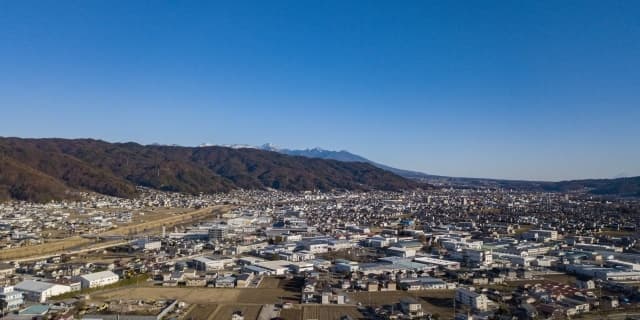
[{"x": 45, "y": 169}]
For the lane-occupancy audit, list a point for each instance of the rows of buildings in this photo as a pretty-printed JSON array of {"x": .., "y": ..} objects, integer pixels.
[{"x": 495, "y": 251}]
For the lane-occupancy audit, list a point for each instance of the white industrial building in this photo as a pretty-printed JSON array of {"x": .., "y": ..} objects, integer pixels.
[
  {"x": 98, "y": 279},
  {"x": 446, "y": 264},
  {"x": 207, "y": 264},
  {"x": 275, "y": 267},
  {"x": 40, "y": 291}
]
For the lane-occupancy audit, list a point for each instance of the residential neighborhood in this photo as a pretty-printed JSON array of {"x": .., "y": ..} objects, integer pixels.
[{"x": 449, "y": 253}]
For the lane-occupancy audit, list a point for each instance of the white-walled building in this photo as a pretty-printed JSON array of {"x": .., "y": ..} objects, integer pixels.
[
  {"x": 10, "y": 299},
  {"x": 446, "y": 264},
  {"x": 206, "y": 264},
  {"x": 40, "y": 291},
  {"x": 98, "y": 279}
]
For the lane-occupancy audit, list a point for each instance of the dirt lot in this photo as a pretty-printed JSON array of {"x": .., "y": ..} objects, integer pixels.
[
  {"x": 291, "y": 314},
  {"x": 561, "y": 278},
  {"x": 330, "y": 312},
  {"x": 264, "y": 296},
  {"x": 270, "y": 283},
  {"x": 250, "y": 312},
  {"x": 189, "y": 295},
  {"x": 433, "y": 301},
  {"x": 199, "y": 295},
  {"x": 150, "y": 223},
  {"x": 321, "y": 312},
  {"x": 202, "y": 311},
  {"x": 41, "y": 249}
]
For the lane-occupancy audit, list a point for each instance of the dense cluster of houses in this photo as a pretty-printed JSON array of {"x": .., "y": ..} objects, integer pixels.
[{"x": 342, "y": 242}]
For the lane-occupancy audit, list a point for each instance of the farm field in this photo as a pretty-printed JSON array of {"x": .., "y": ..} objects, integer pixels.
[
  {"x": 197, "y": 295},
  {"x": 147, "y": 224},
  {"x": 433, "y": 301},
  {"x": 45, "y": 248},
  {"x": 291, "y": 314},
  {"x": 270, "y": 283},
  {"x": 332, "y": 312},
  {"x": 224, "y": 312},
  {"x": 201, "y": 311}
]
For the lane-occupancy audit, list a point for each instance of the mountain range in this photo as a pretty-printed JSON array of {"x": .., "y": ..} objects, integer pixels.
[
  {"x": 346, "y": 156},
  {"x": 624, "y": 186},
  {"x": 46, "y": 169}
]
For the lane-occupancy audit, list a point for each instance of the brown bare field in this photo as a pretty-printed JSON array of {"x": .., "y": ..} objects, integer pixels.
[
  {"x": 270, "y": 283},
  {"x": 266, "y": 295},
  {"x": 198, "y": 295},
  {"x": 224, "y": 312},
  {"x": 202, "y": 312},
  {"x": 189, "y": 295},
  {"x": 433, "y": 301},
  {"x": 42, "y": 249},
  {"x": 141, "y": 216},
  {"x": 523, "y": 229},
  {"x": 561, "y": 278},
  {"x": 291, "y": 314},
  {"x": 151, "y": 224},
  {"x": 616, "y": 233},
  {"x": 331, "y": 312}
]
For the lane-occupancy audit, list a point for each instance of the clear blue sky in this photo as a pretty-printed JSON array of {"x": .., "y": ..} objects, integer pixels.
[{"x": 535, "y": 90}]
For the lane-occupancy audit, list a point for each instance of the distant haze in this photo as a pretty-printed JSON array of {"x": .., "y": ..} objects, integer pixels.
[{"x": 543, "y": 90}]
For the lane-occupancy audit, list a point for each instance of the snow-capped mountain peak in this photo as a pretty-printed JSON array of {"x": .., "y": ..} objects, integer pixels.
[
  {"x": 270, "y": 147},
  {"x": 233, "y": 146}
]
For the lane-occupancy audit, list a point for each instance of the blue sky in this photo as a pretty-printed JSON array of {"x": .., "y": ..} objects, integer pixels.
[{"x": 545, "y": 90}]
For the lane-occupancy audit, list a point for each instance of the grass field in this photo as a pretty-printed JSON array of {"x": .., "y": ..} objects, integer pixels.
[{"x": 433, "y": 301}]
